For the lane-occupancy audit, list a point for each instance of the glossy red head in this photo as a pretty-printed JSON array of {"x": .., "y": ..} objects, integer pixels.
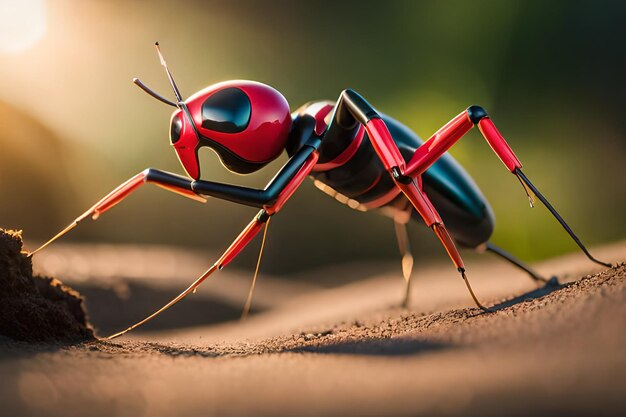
[{"x": 245, "y": 122}]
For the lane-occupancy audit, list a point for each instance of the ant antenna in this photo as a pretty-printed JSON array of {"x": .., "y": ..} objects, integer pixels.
[
  {"x": 179, "y": 98},
  {"x": 159, "y": 97},
  {"x": 169, "y": 74}
]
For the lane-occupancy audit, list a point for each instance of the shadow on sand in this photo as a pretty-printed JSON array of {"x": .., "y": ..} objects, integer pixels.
[
  {"x": 376, "y": 346},
  {"x": 111, "y": 310},
  {"x": 352, "y": 345},
  {"x": 548, "y": 288}
]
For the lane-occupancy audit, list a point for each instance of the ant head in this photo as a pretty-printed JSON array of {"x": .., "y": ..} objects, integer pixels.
[{"x": 246, "y": 123}]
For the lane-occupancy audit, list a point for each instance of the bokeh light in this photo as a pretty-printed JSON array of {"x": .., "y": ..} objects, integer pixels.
[{"x": 22, "y": 24}]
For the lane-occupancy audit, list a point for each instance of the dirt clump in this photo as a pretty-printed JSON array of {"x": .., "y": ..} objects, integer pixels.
[{"x": 36, "y": 308}]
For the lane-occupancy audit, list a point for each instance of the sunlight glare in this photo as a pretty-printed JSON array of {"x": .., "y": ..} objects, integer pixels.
[{"x": 22, "y": 24}]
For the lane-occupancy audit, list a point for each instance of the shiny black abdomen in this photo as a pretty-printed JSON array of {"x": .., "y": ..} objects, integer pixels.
[{"x": 363, "y": 179}]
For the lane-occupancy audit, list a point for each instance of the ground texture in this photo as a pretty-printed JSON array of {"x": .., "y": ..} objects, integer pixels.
[{"x": 553, "y": 350}]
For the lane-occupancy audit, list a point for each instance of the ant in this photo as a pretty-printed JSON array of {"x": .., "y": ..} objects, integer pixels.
[{"x": 362, "y": 158}]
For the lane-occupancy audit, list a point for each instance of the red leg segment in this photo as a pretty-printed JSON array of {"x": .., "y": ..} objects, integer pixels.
[
  {"x": 167, "y": 181},
  {"x": 498, "y": 144},
  {"x": 389, "y": 153},
  {"x": 438, "y": 144},
  {"x": 117, "y": 195},
  {"x": 293, "y": 185},
  {"x": 124, "y": 190},
  {"x": 384, "y": 145},
  {"x": 245, "y": 237},
  {"x": 233, "y": 250},
  {"x": 422, "y": 204},
  {"x": 448, "y": 135}
]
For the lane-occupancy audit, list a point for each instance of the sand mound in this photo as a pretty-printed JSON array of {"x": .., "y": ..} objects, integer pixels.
[{"x": 34, "y": 308}]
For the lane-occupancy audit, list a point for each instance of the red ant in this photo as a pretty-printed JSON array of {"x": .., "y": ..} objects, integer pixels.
[{"x": 364, "y": 159}]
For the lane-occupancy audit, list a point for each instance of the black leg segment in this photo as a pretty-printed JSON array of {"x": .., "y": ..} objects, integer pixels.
[
  {"x": 518, "y": 263},
  {"x": 252, "y": 196},
  {"x": 552, "y": 210}
]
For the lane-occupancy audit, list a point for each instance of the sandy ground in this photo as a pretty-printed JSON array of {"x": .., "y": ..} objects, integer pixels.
[{"x": 312, "y": 349}]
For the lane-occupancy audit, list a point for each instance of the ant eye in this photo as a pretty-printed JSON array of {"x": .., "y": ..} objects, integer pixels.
[
  {"x": 175, "y": 129},
  {"x": 227, "y": 111}
]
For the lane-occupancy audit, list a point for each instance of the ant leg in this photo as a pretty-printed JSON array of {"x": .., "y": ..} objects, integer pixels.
[
  {"x": 454, "y": 130},
  {"x": 248, "y": 304},
  {"x": 530, "y": 190},
  {"x": 352, "y": 108},
  {"x": 490, "y": 247},
  {"x": 168, "y": 181},
  {"x": 407, "y": 258},
  {"x": 272, "y": 197},
  {"x": 432, "y": 219},
  {"x": 245, "y": 237}
]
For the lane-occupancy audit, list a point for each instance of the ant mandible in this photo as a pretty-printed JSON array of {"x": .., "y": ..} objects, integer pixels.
[{"x": 364, "y": 159}]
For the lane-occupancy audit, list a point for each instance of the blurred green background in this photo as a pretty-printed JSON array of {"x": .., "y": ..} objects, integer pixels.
[{"x": 73, "y": 126}]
